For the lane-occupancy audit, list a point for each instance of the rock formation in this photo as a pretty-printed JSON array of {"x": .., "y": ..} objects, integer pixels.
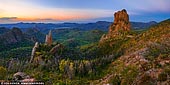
[
  {"x": 48, "y": 40},
  {"x": 33, "y": 51},
  {"x": 19, "y": 76},
  {"x": 22, "y": 77},
  {"x": 121, "y": 22}
]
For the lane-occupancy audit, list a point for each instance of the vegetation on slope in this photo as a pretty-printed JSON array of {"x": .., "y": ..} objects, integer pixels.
[
  {"x": 128, "y": 58},
  {"x": 145, "y": 60}
]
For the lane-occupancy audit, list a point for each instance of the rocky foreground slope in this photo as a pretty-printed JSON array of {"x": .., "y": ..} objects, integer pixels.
[{"x": 145, "y": 59}]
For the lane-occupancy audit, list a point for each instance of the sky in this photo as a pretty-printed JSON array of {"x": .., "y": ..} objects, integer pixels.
[{"x": 12, "y": 11}]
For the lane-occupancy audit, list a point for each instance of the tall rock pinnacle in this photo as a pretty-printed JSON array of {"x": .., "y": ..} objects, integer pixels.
[
  {"x": 33, "y": 51},
  {"x": 121, "y": 22},
  {"x": 48, "y": 39}
]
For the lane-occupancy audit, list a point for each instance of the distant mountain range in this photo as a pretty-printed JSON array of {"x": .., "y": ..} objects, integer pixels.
[
  {"x": 32, "y": 32},
  {"x": 100, "y": 25}
]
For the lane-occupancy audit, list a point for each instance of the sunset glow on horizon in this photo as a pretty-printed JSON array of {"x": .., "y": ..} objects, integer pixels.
[{"x": 76, "y": 10}]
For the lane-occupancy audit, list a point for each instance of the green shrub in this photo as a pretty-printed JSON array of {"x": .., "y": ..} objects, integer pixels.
[{"x": 3, "y": 73}]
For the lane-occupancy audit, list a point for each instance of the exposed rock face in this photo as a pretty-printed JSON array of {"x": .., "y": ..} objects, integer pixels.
[
  {"x": 48, "y": 39},
  {"x": 121, "y": 22},
  {"x": 33, "y": 51}
]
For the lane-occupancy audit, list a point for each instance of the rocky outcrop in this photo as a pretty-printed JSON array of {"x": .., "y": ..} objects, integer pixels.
[
  {"x": 121, "y": 22},
  {"x": 33, "y": 51},
  {"x": 48, "y": 39},
  {"x": 22, "y": 77}
]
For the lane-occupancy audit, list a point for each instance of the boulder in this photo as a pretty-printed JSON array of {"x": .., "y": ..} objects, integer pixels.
[{"x": 20, "y": 76}]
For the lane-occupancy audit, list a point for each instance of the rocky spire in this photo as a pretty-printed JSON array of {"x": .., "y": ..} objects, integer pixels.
[
  {"x": 121, "y": 22},
  {"x": 48, "y": 39},
  {"x": 33, "y": 51}
]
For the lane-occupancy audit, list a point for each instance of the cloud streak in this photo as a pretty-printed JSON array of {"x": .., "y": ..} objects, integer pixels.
[
  {"x": 16, "y": 19},
  {"x": 8, "y": 18}
]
